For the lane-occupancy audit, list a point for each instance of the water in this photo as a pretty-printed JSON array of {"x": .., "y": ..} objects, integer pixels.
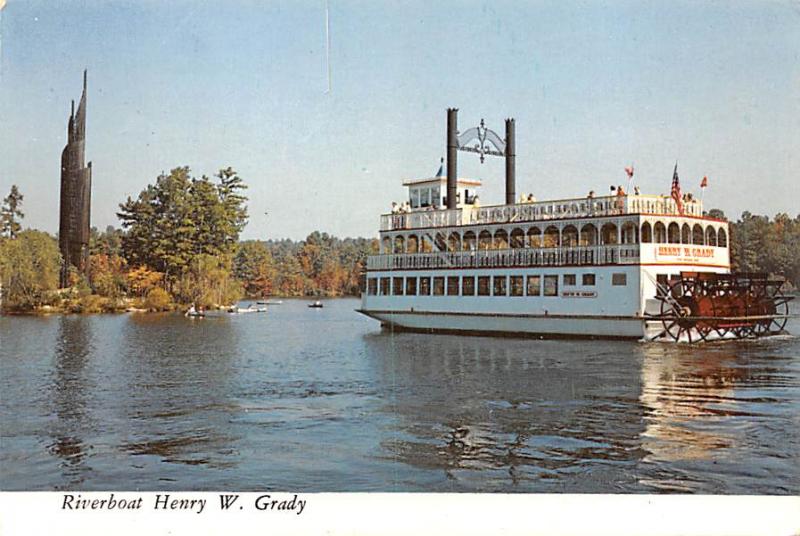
[{"x": 323, "y": 400}]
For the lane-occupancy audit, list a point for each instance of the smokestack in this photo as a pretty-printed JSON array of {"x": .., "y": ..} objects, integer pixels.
[
  {"x": 511, "y": 153},
  {"x": 452, "y": 148}
]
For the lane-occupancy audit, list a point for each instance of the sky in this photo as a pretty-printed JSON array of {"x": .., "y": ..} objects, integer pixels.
[{"x": 593, "y": 86}]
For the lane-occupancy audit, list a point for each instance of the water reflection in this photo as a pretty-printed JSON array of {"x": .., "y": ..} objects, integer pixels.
[
  {"x": 700, "y": 402},
  {"x": 520, "y": 411},
  {"x": 178, "y": 375},
  {"x": 681, "y": 388},
  {"x": 68, "y": 391}
]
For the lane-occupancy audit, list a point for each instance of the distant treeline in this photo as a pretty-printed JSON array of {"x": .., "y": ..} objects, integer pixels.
[
  {"x": 320, "y": 265},
  {"x": 180, "y": 244},
  {"x": 761, "y": 244}
]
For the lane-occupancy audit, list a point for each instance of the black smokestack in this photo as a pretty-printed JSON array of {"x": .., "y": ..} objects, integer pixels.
[
  {"x": 511, "y": 153},
  {"x": 452, "y": 148}
]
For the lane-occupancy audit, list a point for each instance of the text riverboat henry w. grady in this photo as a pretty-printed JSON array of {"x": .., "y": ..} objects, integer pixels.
[{"x": 180, "y": 502}]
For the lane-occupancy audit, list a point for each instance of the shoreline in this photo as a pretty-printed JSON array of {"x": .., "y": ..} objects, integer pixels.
[{"x": 49, "y": 310}]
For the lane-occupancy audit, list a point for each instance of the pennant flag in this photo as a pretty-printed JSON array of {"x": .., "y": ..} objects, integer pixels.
[
  {"x": 676, "y": 190},
  {"x": 440, "y": 173},
  {"x": 629, "y": 171},
  {"x": 613, "y": 188},
  {"x": 704, "y": 182}
]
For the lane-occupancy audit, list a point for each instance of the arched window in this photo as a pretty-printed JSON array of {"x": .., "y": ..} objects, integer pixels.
[
  {"x": 660, "y": 233},
  {"x": 386, "y": 245},
  {"x": 697, "y": 234},
  {"x": 686, "y": 234},
  {"x": 517, "y": 238},
  {"x": 569, "y": 236},
  {"x": 534, "y": 237},
  {"x": 485, "y": 240},
  {"x": 674, "y": 233},
  {"x": 440, "y": 241},
  {"x": 551, "y": 237},
  {"x": 588, "y": 235},
  {"x": 647, "y": 233},
  {"x": 500, "y": 239},
  {"x": 630, "y": 233},
  {"x": 608, "y": 234},
  {"x": 399, "y": 244},
  {"x": 711, "y": 236},
  {"x": 469, "y": 241},
  {"x": 454, "y": 242},
  {"x": 722, "y": 238},
  {"x": 412, "y": 245},
  {"x": 425, "y": 245}
]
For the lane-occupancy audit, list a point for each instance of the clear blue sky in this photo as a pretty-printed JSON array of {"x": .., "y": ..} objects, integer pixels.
[{"x": 593, "y": 86}]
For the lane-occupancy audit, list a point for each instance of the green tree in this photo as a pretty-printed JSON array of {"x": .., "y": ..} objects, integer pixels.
[
  {"x": 11, "y": 213},
  {"x": 759, "y": 244},
  {"x": 29, "y": 269},
  {"x": 180, "y": 218},
  {"x": 208, "y": 282},
  {"x": 254, "y": 267},
  {"x": 109, "y": 242}
]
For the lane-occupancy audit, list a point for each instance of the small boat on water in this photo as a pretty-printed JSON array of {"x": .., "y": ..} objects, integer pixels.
[
  {"x": 270, "y": 302},
  {"x": 193, "y": 312},
  {"x": 316, "y": 305},
  {"x": 249, "y": 309}
]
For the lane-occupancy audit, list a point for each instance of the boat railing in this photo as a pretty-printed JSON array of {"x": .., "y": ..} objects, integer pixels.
[
  {"x": 511, "y": 257},
  {"x": 612, "y": 205},
  {"x": 421, "y": 219}
]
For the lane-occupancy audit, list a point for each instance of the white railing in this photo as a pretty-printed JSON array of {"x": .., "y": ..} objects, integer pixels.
[
  {"x": 516, "y": 257},
  {"x": 540, "y": 211},
  {"x": 422, "y": 218}
]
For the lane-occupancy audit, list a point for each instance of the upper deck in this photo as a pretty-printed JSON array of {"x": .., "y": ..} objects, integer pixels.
[
  {"x": 614, "y": 229},
  {"x": 587, "y": 207}
]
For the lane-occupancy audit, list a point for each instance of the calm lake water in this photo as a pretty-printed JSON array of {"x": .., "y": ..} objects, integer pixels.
[{"x": 323, "y": 400}]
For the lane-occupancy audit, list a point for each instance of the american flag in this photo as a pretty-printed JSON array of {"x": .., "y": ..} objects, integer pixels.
[
  {"x": 676, "y": 190},
  {"x": 704, "y": 182}
]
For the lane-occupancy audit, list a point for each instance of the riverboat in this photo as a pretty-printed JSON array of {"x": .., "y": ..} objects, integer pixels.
[{"x": 625, "y": 265}]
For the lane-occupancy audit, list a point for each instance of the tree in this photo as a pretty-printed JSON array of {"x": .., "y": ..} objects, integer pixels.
[
  {"x": 11, "y": 213},
  {"x": 208, "y": 282},
  {"x": 180, "y": 218},
  {"x": 141, "y": 280},
  {"x": 109, "y": 242},
  {"x": 321, "y": 264},
  {"x": 29, "y": 269},
  {"x": 760, "y": 245},
  {"x": 254, "y": 267},
  {"x": 107, "y": 275}
]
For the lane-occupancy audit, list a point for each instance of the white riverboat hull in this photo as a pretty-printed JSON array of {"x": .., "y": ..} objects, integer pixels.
[{"x": 512, "y": 325}]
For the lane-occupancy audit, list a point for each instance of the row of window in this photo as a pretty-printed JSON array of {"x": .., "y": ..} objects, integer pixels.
[
  {"x": 553, "y": 237},
  {"x": 482, "y": 285}
]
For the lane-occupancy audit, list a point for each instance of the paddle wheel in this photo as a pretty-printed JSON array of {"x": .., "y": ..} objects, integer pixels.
[{"x": 701, "y": 305}]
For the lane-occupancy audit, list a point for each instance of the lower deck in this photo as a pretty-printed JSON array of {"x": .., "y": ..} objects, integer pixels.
[{"x": 591, "y": 301}]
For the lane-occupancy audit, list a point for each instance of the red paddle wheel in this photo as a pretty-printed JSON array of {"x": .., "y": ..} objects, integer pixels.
[{"x": 699, "y": 305}]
